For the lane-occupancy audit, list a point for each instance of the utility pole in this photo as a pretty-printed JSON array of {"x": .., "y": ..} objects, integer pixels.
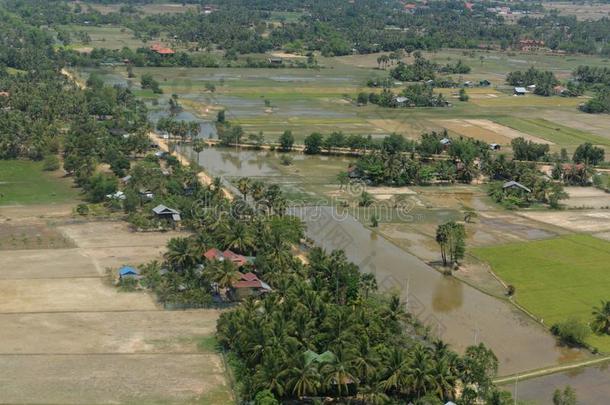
[{"x": 515, "y": 395}]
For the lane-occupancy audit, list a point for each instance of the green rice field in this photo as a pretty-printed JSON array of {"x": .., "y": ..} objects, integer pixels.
[{"x": 556, "y": 279}]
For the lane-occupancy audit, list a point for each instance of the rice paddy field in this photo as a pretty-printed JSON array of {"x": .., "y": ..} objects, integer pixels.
[
  {"x": 556, "y": 279},
  {"x": 322, "y": 100},
  {"x": 108, "y": 37}
]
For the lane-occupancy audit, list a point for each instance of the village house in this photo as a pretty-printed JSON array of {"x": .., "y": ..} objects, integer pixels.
[
  {"x": 519, "y": 91},
  {"x": 249, "y": 285},
  {"x": 275, "y": 61},
  {"x": 167, "y": 214},
  {"x": 514, "y": 185},
  {"x": 495, "y": 146},
  {"x": 126, "y": 272},
  {"x": 401, "y": 101},
  {"x": 235, "y": 258},
  {"x": 528, "y": 45},
  {"x": 161, "y": 50},
  {"x": 559, "y": 90}
]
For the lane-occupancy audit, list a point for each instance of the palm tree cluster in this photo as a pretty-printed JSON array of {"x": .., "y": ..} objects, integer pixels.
[
  {"x": 326, "y": 332},
  {"x": 542, "y": 189},
  {"x": 178, "y": 129},
  {"x": 262, "y": 197},
  {"x": 256, "y": 227}
]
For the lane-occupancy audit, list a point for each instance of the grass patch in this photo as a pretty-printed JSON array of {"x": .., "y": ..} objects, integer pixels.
[
  {"x": 556, "y": 279},
  {"x": 551, "y": 131},
  {"x": 207, "y": 344},
  {"x": 24, "y": 182}
]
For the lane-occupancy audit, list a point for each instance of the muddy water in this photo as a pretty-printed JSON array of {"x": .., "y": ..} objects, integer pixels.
[
  {"x": 592, "y": 386},
  {"x": 458, "y": 313},
  {"x": 230, "y": 163}
]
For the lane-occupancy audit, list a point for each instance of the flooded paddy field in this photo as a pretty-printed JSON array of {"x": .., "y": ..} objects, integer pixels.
[
  {"x": 322, "y": 100},
  {"x": 592, "y": 386},
  {"x": 458, "y": 313},
  {"x": 455, "y": 311}
]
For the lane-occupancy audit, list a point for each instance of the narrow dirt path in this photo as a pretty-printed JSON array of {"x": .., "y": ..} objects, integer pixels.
[{"x": 550, "y": 370}]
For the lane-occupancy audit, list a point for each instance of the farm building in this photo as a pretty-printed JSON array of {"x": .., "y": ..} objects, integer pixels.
[
  {"x": 519, "y": 91},
  {"x": 514, "y": 185},
  {"x": 445, "y": 142},
  {"x": 128, "y": 272},
  {"x": 166, "y": 213},
  {"x": 401, "y": 101}
]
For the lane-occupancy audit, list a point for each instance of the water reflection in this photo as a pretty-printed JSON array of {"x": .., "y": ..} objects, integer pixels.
[{"x": 448, "y": 294}]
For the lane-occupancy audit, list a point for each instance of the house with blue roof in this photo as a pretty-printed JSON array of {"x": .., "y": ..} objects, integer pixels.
[{"x": 128, "y": 272}]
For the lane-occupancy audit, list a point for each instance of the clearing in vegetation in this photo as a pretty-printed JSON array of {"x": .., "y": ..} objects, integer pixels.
[
  {"x": 24, "y": 182},
  {"x": 556, "y": 279}
]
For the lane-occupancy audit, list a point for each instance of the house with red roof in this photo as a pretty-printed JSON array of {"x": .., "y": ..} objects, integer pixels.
[
  {"x": 249, "y": 285},
  {"x": 213, "y": 254},
  {"x": 235, "y": 258},
  {"x": 161, "y": 50}
]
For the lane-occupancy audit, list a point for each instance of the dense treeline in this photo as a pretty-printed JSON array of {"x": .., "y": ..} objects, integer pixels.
[
  {"x": 44, "y": 113},
  {"x": 336, "y": 27},
  {"x": 399, "y": 162},
  {"x": 598, "y": 79},
  {"x": 543, "y": 80}
]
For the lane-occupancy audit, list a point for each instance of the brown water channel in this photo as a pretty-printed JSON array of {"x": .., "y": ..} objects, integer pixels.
[{"x": 456, "y": 312}]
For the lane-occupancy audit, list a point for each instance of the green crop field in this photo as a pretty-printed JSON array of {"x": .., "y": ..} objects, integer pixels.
[
  {"x": 24, "y": 182},
  {"x": 308, "y": 100},
  {"x": 556, "y": 278},
  {"x": 551, "y": 131}
]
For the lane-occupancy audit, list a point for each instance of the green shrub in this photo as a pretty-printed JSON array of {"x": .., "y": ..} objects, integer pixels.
[
  {"x": 571, "y": 332},
  {"x": 50, "y": 163}
]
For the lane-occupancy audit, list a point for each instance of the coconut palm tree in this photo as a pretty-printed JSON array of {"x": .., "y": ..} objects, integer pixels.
[
  {"x": 368, "y": 283},
  {"x": 243, "y": 185},
  {"x": 223, "y": 272},
  {"x": 238, "y": 236},
  {"x": 198, "y": 146},
  {"x": 182, "y": 254},
  {"x": 395, "y": 377},
  {"x": 419, "y": 374},
  {"x": 601, "y": 318},
  {"x": 302, "y": 377},
  {"x": 337, "y": 376},
  {"x": 257, "y": 190}
]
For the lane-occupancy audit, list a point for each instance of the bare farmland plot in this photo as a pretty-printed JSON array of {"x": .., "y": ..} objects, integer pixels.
[
  {"x": 582, "y": 11},
  {"x": 68, "y": 337},
  {"x": 488, "y": 131}
]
